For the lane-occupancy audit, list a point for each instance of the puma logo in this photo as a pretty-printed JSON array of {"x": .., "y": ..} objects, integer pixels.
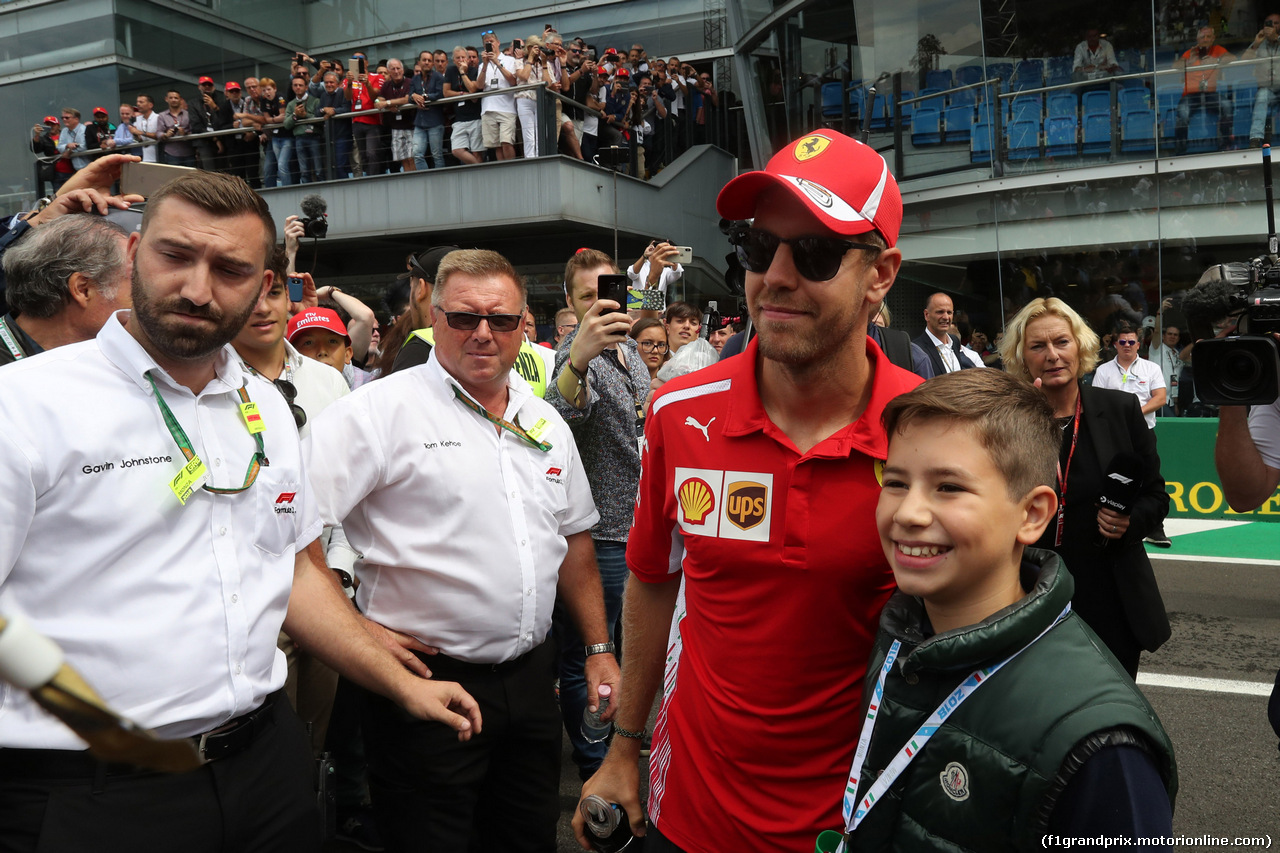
[{"x": 689, "y": 421}]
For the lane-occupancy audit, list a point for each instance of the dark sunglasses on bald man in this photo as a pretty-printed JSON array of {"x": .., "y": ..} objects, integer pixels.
[
  {"x": 815, "y": 258},
  {"x": 466, "y": 321}
]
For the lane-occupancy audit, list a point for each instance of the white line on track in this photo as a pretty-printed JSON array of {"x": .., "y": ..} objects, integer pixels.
[
  {"x": 1211, "y": 685},
  {"x": 1197, "y": 558}
]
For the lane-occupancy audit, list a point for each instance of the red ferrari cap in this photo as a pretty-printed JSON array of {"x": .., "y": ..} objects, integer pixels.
[
  {"x": 51, "y": 120},
  {"x": 845, "y": 183},
  {"x": 204, "y": 80},
  {"x": 232, "y": 85},
  {"x": 101, "y": 111},
  {"x": 315, "y": 318},
  {"x": 622, "y": 72}
]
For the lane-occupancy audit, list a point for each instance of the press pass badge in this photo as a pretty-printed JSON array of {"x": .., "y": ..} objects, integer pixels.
[
  {"x": 252, "y": 419},
  {"x": 539, "y": 429},
  {"x": 192, "y": 476}
]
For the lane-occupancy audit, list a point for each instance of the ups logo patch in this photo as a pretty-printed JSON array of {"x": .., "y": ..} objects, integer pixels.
[{"x": 746, "y": 504}]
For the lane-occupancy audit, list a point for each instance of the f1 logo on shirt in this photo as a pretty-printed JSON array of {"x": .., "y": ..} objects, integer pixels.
[
  {"x": 724, "y": 504},
  {"x": 286, "y": 497}
]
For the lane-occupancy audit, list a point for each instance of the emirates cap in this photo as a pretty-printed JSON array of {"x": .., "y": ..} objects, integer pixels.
[
  {"x": 845, "y": 183},
  {"x": 315, "y": 318}
]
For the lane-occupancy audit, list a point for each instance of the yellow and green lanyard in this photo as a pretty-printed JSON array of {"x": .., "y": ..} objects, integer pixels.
[
  {"x": 532, "y": 435},
  {"x": 194, "y": 475}
]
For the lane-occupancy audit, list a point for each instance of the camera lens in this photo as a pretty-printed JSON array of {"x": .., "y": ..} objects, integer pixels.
[{"x": 1241, "y": 371}]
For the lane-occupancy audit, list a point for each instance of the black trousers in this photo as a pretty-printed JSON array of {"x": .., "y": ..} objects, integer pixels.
[
  {"x": 261, "y": 799},
  {"x": 498, "y": 791}
]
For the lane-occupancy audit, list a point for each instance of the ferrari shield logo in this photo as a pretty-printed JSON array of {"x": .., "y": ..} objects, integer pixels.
[{"x": 811, "y": 146}]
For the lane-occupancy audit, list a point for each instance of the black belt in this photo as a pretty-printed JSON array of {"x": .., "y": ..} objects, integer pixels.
[
  {"x": 66, "y": 764},
  {"x": 441, "y": 665}
]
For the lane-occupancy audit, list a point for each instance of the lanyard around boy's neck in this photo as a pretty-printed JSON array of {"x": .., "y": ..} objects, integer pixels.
[
  {"x": 194, "y": 475},
  {"x": 531, "y": 436},
  {"x": 853, "y": 810}
]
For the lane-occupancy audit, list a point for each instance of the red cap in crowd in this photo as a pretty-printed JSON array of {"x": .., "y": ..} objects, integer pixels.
[
  {"x": 101, "y": 111},
  {"x": 51, "y": 120},
  {"x": 204, "y": 80},
  {"x": 846, "y": 184},
  {"x": 232, "y": 86},
  {"x": 316, "y": 318},
  {"x": 603, "y": 72},
  {"x": 623, "y": 73}
]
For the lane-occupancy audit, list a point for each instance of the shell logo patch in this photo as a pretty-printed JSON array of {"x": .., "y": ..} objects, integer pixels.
[
  {"x": 696, "y": 500},
  {"x": 810, "y": 146},
  {"x": 955, "y": 781},
  {"x": 879, "y": 468},
  {"x": 746, "y": 504}
]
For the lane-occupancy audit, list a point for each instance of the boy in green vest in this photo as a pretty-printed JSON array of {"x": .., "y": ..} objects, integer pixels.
[{"x": 994, "y": 718}]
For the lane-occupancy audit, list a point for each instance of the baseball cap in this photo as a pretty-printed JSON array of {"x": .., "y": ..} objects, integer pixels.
[
  {"x": 427, "y": 264},
  {"x": 100, "y": 111},
  {"x": 845, "y": 183},
  {"x": 231, "y": 84},
  {"x": 204, "y": 80},
  {"x": 610, "y": 52},
  {"x": 623, "y": 73},
  {"x": 51, "y": 120},
  {"x": 602, "y": 72},
  {"x": 315, "y": 318}
]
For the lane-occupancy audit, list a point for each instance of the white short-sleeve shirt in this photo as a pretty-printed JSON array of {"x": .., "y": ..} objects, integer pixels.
[
  {"x": 1143, "y": 378},
  {"x": 1264, "y": 426},
  {"x": 171, "y": 612},
  {"x": 462, "y": 528},
  {"x": 494, "y": 79}
]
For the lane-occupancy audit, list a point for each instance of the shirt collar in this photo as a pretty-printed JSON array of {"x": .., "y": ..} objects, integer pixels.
[
  {"x": 123, "y": 350},
  {"x": 744, "y": 410},
  {"x": 28, "y": 343},
  {"x": 519, "y": 391},
  {"x": 937, "y": 342}
]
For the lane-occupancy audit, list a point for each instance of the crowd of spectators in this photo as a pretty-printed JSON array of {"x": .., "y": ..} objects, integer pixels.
[{"x": 625, "y": 109}]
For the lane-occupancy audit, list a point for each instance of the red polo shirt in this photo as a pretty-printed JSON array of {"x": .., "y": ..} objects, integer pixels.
[{"x": 784, "y": 580}]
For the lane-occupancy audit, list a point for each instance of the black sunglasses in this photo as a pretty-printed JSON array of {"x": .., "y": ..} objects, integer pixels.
[
  {"x": 815, "y": 258},
  {"x": 466, "y": 321},
  {"x": 1126, "y": 343},
  {"x": 290, "y": 393}
]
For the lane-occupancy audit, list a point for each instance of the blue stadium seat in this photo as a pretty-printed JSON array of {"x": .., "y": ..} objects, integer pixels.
[
  {"x": 1024, "y": 139},
  {"x": 939, "y": 103},
  {"x": 1242, "y": 92},
  {"x": 1062, "y": 104},
  {"x": 967, "y": 75},
  {"x": 831, "y": 104},
  {"x": 938, "y": 79},
  {"x": 1002, "y": 71},
  {"x": 905, "y": 110},
  {"x": 1060, "y": 136},
  {"x": 1026, "y": 107},
  {"x": 1168, "y": 127},
  {"x": 1059, "y": 65},
  {"x": 980, "y": 143},
  {"x": 1138, "y": 131},
  {"x": 1241, "y": 119},
  {"x": 959, "y": 123},
  {"x": 1029, "y": 75},
  {"x": 1202, "y": 132},
  {"x": 1096, "y": 138},
  {"x": 926, "y": 127},
  {"x": 1132, "y": 99},
  {"x": 1097, "y": 101},
  {"x": 963, "y": 98}
]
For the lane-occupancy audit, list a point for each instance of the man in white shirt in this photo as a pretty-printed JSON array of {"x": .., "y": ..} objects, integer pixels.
[
  {"x": 146, "y": 128},
  {"x": 1094, "y": 58},
  {"x": 156, "y": 523},
  {"x": 1165, "y": 355},
  {"x": 498, "y": 112},
  {"x": 943, "y": 349},
  {"x": 465, "y": 494},
  {"x": 1130, "y": 372}
]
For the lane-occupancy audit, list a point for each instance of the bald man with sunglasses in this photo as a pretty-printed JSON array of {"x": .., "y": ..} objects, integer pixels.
[
  {"x": 754, "y": 539},
  {"x": 466, "y": 497}
]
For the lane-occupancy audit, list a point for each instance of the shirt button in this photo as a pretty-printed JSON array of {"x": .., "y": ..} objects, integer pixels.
[
  {"x": 528, "y": 591},
  {"x": 513, "y": 494},
  {"x": 234, "y": 598},
  {"x": 237, "y": 669},
  {"x": 217, "y": 463},
  {"x": 911, "y": 678},
  {"x": 522, "y": 542},
  {"x": 222, "y": 531}
]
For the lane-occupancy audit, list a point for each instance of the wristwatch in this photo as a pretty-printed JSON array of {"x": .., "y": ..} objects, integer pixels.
[{"x": 601, "y": 649}]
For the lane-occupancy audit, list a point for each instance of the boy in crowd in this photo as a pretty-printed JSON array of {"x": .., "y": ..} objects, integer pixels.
[
  {"x": 319, "y": 333},
  {"x": 1047, "y": 735}
]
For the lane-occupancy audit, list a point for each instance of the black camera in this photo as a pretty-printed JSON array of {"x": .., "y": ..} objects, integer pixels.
[
  {"x": 1242, "y": 369},
  {"x": 315, "y": 218}
]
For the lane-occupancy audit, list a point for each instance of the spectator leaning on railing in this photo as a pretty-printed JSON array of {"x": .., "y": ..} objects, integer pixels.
[
  {"x": 146, "y": 128},
  {"x": 305, "y": 147},
  {"x": 459, "y": 79},
  {"x": 174, "y": 124},
  {"x": 428, "y": 124}
]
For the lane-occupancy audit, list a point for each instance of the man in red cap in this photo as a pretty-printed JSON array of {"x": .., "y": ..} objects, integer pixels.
[
  {"x": 754, "y": 540},
  {"x": 98, "y": 132},
  {"x": 319, "y": 333}
]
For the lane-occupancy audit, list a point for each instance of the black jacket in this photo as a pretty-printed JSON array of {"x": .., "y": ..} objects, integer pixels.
[{"x": 931, "y": 349}]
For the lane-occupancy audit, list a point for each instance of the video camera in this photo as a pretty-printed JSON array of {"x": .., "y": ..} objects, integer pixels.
[{"x": 1242, "y": 369}]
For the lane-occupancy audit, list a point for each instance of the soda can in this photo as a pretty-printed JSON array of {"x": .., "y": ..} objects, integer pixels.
[{"x": 608, "y": 827}]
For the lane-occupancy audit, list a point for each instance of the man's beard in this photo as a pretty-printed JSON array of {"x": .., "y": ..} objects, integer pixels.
[
  {"x": 180, "y": 342},
  {"x": 800, "y": 351}
]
